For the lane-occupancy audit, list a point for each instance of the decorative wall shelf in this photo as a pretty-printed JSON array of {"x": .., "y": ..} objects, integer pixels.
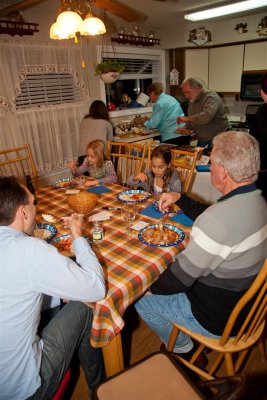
[
  {"x": 136, "y": 40},
  {"x": 17, "y": 28}
]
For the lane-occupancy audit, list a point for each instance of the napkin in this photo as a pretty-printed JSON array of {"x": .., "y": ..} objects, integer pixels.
[
  {"x": 98, "y": 189},
  {"x": 101, "y": 216},
  {"x": 183, "y": 219},
  {"x": 139, "y": 225},
  {"x": 150, "y": 211},
  {"x": 203, "y": 168}
]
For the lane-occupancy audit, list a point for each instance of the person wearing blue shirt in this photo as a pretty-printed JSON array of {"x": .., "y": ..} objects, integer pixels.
[{"x": 165, "y": 111}]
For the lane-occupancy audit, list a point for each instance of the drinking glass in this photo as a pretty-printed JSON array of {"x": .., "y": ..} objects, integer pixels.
[{"x": 128, "y": 212}]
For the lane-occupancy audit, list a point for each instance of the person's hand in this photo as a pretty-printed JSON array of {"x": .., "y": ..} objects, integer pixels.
[
  {"x": 181, "y": 120},
  {"x": 168, "y": 199},
  {"x": 72, "y": 165},
  {"x": 141, "y": 177},
  {"x": 74, "y": 223}
]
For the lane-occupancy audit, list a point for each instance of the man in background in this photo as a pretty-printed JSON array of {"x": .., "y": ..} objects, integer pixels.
[{"x": 206, "y": 114}]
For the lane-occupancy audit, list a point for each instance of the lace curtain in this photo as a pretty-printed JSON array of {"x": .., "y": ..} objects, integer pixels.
[{"x": 52, "y": 131}]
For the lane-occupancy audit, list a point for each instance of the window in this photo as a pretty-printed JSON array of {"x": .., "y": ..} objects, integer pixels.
[
  {"x": 142, "y": 67},
  {"x": 139, "y": 68},
  {"x": 47, "y": 89}
]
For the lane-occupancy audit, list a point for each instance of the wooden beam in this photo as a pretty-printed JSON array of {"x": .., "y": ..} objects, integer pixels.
[
  {"x": 121, "y": 11},
  {"x": 18, "y": 6}
]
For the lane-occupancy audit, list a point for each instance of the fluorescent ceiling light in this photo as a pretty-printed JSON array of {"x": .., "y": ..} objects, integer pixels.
[{"x": 226, "y": 10}]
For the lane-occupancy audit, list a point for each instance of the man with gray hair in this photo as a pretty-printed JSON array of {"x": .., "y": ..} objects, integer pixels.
[
  {"x": 226, "y": 249},
  {"x": 206, "y": 114}
]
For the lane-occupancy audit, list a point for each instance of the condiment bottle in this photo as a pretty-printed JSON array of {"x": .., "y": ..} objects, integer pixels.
[{"x": 98, "y": 231}]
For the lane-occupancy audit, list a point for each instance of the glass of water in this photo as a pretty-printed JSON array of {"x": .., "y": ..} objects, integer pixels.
[{"x": 128, "y": 212}]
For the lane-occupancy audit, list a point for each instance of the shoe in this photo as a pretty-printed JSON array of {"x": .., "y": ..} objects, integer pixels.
[{"x": 201, "y": 362}]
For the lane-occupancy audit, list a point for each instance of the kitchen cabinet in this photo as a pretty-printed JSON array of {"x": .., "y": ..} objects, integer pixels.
[
  {"x": 255, "y": 57},
  {"x": 225, "y": 68},
  {"x": 197, "y": 64}
]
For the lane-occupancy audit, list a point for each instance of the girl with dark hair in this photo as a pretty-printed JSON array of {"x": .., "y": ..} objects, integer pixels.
[
  {"x": 95, "y": 125},
  {"x": 160, "y": 177}
]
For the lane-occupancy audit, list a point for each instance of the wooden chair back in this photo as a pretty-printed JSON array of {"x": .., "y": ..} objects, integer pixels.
[
  {"x": 184, "y": 162},
  {"x": 229, "y": 343},
  {"x": 128, "y": 159},
  {"x": 17, "y": 162}
]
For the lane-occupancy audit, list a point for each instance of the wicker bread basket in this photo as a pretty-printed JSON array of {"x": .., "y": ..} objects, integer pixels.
[{"x": 82, "y": 202}]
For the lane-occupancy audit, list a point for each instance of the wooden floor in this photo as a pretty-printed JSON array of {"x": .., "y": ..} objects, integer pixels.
[{"x": 139, "y": 341}]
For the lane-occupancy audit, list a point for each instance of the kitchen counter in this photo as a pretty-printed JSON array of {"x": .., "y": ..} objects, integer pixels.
[
  {"x": 132, "y": 138},
  {"x": 130, "y": 112}
]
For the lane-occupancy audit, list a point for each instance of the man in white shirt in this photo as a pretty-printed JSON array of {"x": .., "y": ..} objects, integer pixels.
[{"x": 32, "y": 367}]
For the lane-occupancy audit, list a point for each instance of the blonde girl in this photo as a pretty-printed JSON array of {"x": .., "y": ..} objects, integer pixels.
[{"x": 97, "y": 164}]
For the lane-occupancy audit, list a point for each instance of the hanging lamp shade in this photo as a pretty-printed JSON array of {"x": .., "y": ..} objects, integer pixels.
[
  {"x": 68, "y": 22},
  {"x": 54, "y": 32},
  {"x": 59, "y": 33},
  {"x": 92, "y": 26}
]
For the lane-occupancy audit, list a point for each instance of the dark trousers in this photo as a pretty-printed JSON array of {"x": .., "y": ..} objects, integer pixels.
[{"x": 68, "y": 331}]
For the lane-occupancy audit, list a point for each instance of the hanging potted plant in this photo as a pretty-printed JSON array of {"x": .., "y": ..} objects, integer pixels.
[{"x": 109, "y": 70}]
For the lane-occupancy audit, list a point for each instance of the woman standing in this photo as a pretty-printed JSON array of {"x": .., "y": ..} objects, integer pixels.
[{"x": 95, "y": 126}]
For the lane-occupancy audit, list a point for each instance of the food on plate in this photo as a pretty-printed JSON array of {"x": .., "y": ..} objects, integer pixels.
[
  {"x": 50, "y": 218},
  {"x": 134, "y": 197},
  {"x": 65, "y": 184},
  {"x": 184, "y": 131},
  {"x": 157, "y": 236},
  {"x": 138, "y": 130},
  {"x": 64, "y": 246},
  {"x": 172, "y": 209},
  {"x": 42, "y": 233}
]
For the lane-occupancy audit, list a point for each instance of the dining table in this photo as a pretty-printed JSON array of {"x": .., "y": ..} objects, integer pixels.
[{"x": 130, "y": 265}]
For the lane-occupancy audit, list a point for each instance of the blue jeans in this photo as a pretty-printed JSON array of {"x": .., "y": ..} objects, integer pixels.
[
  {"x": 159, "y": 311},
  {"x": 68, "y": 331}
]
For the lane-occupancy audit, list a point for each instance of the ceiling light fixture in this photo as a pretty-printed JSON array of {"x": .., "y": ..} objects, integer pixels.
[
  {"x": 226, "y": 10},
  {"x": 75, "y": 16}
]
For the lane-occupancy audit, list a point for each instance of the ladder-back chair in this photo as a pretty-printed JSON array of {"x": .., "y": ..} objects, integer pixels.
[
  {"x": 184, "y": 162},
  {"x": 128, "y": 159},
  {"x": 17, "y": 162},
  {"x": 231, "y": 349}
]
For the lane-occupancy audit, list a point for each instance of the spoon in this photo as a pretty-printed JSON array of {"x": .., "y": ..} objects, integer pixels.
[{"x": 50, "y": 218}]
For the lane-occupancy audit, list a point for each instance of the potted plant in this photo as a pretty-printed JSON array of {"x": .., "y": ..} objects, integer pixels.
[{"x": 109, "y": 70}]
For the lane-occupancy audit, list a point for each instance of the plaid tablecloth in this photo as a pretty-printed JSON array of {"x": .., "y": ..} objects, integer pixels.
[{"x": 130, "y": 266}]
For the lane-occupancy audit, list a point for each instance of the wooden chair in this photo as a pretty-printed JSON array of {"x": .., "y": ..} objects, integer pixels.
[
  {"x": 18, "y": 162},
  {"x": 184, "y": 162},
  {"x": 156, "y": 377},
  {"x": 232, "y": 349},
  {"x": 128, "y": 159}
]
